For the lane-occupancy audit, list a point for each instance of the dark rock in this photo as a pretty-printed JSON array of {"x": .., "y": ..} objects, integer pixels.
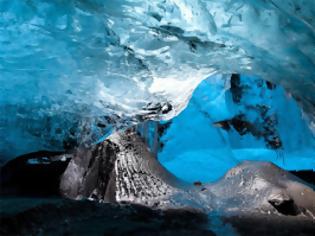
[
  {"x": 33, "y": 174},
  {"x": 89, "y": 172},
  {"x": 197, "y": 183},
  {"x": 121, "y": 169},
  {"x": 265, "y": 188},
  {"x": 306, "y": 175},
  {"x": 285, "y": 207},
  {"x": 262, "y": 225},
  {"x": 66, "y": 217}
]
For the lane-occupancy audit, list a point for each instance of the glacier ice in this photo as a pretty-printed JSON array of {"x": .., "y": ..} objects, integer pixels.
[
  {"x": 197, "y": 147},
  {"x": 71, "y": 71}
]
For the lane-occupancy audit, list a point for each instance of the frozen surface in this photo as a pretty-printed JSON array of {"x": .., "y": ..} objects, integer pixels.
[
  {"x": 70, "y": 71},
  {"x": 195, "y": 148}
]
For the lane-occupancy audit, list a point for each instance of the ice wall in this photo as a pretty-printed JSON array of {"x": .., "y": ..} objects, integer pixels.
[
  {"x": 227, "y": 121},
  {"x": 70, "y": 71}
]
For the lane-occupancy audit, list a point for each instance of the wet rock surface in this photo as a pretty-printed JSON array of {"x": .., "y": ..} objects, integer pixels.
[
  {"x": 88, "y": 173},
  {"x": 121, "y": 169},
  {"x": 130, "y": 193},
  {"x": 67, "y": 217},
  {"x": 264, "y": 188},
  {"x": 133, "y": 175},
  {"x": 271, "y": 225}
]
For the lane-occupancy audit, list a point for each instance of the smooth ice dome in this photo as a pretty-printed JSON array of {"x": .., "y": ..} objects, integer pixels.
[{"x": 71, "y": 71}]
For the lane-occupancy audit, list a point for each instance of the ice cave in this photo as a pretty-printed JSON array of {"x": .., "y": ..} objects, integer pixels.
[{"x": 157, "y": 117}]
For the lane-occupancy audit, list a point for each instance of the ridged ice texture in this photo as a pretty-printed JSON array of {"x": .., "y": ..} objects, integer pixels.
[{"x": 72, "y": 70}]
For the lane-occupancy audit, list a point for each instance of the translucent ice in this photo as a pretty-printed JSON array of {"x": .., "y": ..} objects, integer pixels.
[
  {"x": 202, "y": 143},
  {"x": 72, "y": 70}
]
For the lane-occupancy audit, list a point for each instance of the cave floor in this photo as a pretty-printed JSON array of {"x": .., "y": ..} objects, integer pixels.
[{"x": 57, "y": 216}]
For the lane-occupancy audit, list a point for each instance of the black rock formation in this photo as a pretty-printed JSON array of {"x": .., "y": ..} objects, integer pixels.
[
  {"x": 67, "y": 217},
  {"x": 122, "y": 169},
  {"x": 34, "y": 174},
  {"x": 151, "y": 201},
  {"x": 306, "y": 175}
]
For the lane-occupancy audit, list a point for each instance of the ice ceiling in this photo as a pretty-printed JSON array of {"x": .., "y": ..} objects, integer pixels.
[{"x": 71, "y": 70}]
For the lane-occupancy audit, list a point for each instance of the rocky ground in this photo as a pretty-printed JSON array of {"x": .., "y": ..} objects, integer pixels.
[{"x": 119, "y": 188}]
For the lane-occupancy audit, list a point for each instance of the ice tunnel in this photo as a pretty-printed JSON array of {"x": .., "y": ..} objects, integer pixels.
[
  {"x": 195, "y": 115},
  {"x": 73, "y": 70}
]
